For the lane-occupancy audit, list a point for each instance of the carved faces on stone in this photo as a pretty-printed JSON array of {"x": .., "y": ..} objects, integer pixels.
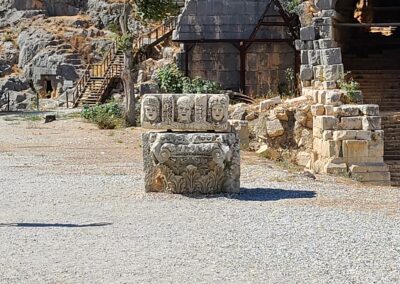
[
  {"x": 151, "y": 107},
  {"x": 217, "y": 106},
  {"x": 189, "y": 112},
  {"x": 185, "y": 105}
]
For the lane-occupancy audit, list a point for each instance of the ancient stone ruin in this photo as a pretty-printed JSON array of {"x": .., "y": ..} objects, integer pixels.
[{"x": 198, "y": 153}]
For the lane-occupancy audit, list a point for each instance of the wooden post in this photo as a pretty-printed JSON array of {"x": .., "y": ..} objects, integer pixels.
[{"x": 243, "y": 68}]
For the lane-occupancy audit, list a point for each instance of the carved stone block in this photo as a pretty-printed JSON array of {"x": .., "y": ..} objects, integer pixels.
[
  {"x": 193, "y": 112},
  {"x": 185, "y": 163}
]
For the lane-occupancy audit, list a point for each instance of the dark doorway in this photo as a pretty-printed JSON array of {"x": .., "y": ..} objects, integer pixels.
[{"x": 49, "y": 87}]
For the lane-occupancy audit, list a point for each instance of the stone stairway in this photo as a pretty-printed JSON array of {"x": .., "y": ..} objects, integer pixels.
[
  {"x": 380, "y": 87},
  {"x": 391, "y": 126}
]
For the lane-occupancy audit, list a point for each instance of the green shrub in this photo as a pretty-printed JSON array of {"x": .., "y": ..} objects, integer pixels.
[
  {"x": 107, "y": 116},
  {"x": 291, "y": 5},
  {"x": 172, "y": 80},
  {"x": 352, "y": 88}
]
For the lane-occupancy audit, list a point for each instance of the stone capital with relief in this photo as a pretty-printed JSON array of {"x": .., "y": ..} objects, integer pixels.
[{"x": 186, "y": 112}]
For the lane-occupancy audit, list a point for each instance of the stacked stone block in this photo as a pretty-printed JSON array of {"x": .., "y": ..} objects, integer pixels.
[
  {"x": 195, "y": 150},
  {"x": 321, "y": 58},
  {"x": 348, "y": 140}
]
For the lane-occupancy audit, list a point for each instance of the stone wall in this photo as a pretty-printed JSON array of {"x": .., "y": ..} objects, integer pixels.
[{"x": 347, "y": 138}]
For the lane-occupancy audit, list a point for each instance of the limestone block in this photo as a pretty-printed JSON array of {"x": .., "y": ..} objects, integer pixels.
[
  {"x": 326, "y": 122},
  {"x": 308, "y": 33},
  {"x": 304, "y": 57},
  {"x": 327, "y": 43},
  {"x": 376, "y": 148},
  {"x": 351, "y": 123},
  {"x": 325, "y": 4},
  {"x": 329, "y": 109},
  {"x": 317, "y": 132},
  {"x": 326, "y": 31},
  {"x": 242, "y": 129},
  {"x": 306, "y": 72},
  {"x": 269, "y": 152},
  {"x": 340, "y": 135},
  {"x": 355, "y": 151},
  {"x": 368, "y": 167},
  {"x": 266, "y": 104},
  {"x": 193, "y": 112},
  {"x": 275, "y": 128},
  {"x": 336, "y": 169},
  {"x": 330, "y": 56},
  {"x": 314, "y": 57},
  {"x": 303, "y": 158},
  {"x": 327, "y": 149},
  {"x": 378, "y": 135},
  {"x": 329, "y": 97},
  {"x": 317, "y": 109},
  {"x": 329, "y": 72},
  {"x": 379, "y": 178},
  {"x": 329, "y": 85},
  {"x": 205, "y": 163},
  {"x": 347, "y": 110},
  {"x": 327, "y": 135},
  {"x": 370, "y": 110},
  {"x": 304, "y": 44},
  {"x": 371, "y": 122}
]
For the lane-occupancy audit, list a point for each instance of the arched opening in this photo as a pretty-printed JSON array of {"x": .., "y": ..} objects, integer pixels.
[{"x": 368, "y": 32}]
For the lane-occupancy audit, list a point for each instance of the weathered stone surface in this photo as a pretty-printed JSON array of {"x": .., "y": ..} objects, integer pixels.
[
  {"x": 194, "y": 112},
  {"x": 329, "y": 72},
  {"x": 347, "y": 110},
  {"x": 355, "y": 151},
  {"x": 242, "y": 129},
  {"x": 306, "y": 72},
  {"x": 303, "y": 158},
  {"x": 275, "y": 128},
  {"x": 369, "y": 167},
  {"x": 266, "y": 104},
  {"x": 336, "y": 169},
  {"x": 185, "y": 163},
  {"x": 370, "y": 110},
  {"x": 351, "y": 123},
  {"x": 308, "y": 33},
  {"x": 330, "y": 56},
  {"x": 381, "y": 178},
  {"x": 371, "y": 122},
  {"x": 351, "y": 135},
  {"x": 317, "y": 109},
  {"x": 326, "y": 122}
]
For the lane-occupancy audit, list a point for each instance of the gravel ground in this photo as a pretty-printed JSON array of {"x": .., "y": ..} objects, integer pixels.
[{"x": 73, "y": 210}]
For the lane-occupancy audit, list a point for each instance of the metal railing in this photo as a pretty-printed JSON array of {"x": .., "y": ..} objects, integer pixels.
[{"x": 93, "y": 70}]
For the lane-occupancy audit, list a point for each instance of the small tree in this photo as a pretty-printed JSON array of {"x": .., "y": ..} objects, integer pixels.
[{"x": 144, "y": 10}]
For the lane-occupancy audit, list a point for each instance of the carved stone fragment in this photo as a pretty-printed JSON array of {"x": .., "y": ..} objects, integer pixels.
[
  {"x": 193, "y": 112},
  {"x": 186, "y": 163}
]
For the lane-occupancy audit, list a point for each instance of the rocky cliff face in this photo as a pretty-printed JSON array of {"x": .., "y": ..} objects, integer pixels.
[{"x": 46, "y": 44}]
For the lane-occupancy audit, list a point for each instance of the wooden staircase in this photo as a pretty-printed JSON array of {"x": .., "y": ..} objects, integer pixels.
[
  {"x": 92, "y": 87},
  {"x": 95, "y": 81}
]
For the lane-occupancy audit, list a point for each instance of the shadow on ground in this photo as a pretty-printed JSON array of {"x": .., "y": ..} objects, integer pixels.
[
  {"x": 262, "y": 194},
  {"x": 271, "y": 194},
  {"x": 56, "y": 225}
]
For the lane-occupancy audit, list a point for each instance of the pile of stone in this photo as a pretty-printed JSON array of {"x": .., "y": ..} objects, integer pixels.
[
  {"x": 195, "y": 150},
  {"x": 348, "y": 141}
]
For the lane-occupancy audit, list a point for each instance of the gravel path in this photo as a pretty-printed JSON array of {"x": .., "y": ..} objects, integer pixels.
[{"x": 73, "y": 210}]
